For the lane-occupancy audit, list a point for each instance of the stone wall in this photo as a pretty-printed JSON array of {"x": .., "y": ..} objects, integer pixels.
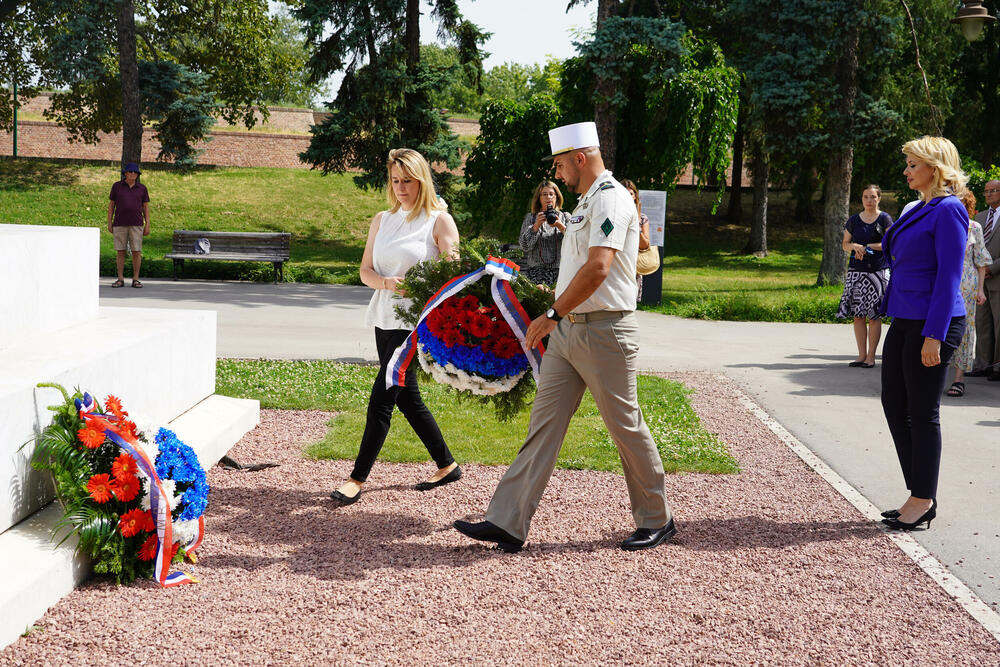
[
  {"x": 281, "y": 120},
  {"x": 235, "y": 149}
]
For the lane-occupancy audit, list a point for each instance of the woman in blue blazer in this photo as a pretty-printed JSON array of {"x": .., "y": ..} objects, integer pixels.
[{"x": 925, "y": 249}]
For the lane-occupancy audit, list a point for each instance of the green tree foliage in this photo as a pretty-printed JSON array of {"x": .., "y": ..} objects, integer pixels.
[
  {"x": 507, "y": 163},
  {"x": 676, "y": 99},
  {"x": 217, "y": 55},
  {"x": 458, "y": 92},
  {"x": 514, "y": 81},
  {"x": 384, "y": 99},
  {"x": 290, "y": 84}
]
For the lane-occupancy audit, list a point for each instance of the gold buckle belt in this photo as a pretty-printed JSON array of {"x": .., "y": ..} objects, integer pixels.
[{"x": 595, "y": 316}]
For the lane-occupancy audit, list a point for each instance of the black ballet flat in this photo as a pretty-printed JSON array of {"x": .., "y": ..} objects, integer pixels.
[
  {"x": 453, "y": 476},
  {"x": 856, "y": 364},
  {"x": 345, "y": 500}
]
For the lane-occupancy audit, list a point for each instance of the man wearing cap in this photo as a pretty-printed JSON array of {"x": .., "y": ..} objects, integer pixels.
[
  {"x": 593, "y": 345},
  {"x": 128, "y": 221}
]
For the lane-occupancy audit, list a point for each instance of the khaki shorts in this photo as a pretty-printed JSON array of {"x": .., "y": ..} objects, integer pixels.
[{"x": 128, "y": 236}]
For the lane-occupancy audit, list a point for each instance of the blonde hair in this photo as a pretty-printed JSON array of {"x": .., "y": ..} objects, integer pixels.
[
  {"x": 412, "y": 165},
  {"x": 941, "y": 155},
  {"x": 536, "y": 201},
  {"x": 969, "y": 200}
]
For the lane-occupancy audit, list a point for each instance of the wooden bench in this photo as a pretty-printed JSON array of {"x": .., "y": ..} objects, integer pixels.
[{"x": 233, "y": 247}]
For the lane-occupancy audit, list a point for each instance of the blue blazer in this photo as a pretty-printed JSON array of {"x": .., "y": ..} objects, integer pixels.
[{"x": 926, "y": 250}]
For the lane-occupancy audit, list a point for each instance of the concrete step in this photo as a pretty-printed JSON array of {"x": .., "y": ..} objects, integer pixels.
[
  {"x": 39, "y": 573},
  {"x": 49, "y": 276},
  {"x": 159, "y": 362}
]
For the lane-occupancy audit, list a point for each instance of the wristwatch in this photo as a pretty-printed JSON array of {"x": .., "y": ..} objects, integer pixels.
[{"x": 553, "y": 315}]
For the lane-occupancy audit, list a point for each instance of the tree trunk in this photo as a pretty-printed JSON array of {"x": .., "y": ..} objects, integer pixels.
[
  {"x": 735, "y": 212},
  {"x": 605, "y": 115},
  {"x": 837, "y": 193},
  {"x": 128, "y": 63},
  {"x": 833, "y": 268},
  {"x": 412, "y": 35},
  {"x": 759, "y": 169},
  {"x": 804, "y": 188}
]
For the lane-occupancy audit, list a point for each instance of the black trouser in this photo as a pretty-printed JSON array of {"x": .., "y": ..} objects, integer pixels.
[
  {"x": 911, "y": 400},
  {"x": 407, "y": 397}
]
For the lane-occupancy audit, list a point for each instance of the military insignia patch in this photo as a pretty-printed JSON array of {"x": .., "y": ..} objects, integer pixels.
[
  {"x": 576, "y": 219},
  {"x": 607, "y": 227}
]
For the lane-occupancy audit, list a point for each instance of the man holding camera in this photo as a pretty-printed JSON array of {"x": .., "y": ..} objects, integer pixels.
[{"x": 593, "y": 345}]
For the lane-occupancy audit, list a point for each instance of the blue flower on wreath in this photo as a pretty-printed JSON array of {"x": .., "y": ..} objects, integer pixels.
[
  {"x": 471, "y": 359},
  {"x": 179, "y": 462}
]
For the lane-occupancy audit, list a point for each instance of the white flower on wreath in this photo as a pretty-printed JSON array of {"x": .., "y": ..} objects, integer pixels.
[
  {"x": 455, "y": 377},
  {"x": 185, "y": 532},
  {"x": 169, "y": 490}
]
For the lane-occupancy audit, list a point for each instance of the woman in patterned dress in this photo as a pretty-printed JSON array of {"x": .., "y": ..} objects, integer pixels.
[
  {"x": 867, "y": 275},
  {"x": 643, "y": 229},
  {"x": 540, "y": 239},
  {"x": 977, "y": 258}
]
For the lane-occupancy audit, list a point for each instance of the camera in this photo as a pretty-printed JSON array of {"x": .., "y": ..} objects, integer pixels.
[{"x": 551, "y": 215}]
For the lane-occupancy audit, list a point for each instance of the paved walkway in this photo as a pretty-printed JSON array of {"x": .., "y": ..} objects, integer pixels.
[{"x": 797, "y": 372}]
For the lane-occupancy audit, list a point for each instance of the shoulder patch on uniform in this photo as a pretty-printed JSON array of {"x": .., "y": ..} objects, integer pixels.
[
  {"x": 606, "y": 185},
  {"x": 607, "y": 227}
]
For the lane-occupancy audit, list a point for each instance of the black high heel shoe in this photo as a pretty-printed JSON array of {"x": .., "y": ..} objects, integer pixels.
[
  {"x": 894, "y": 514},
  {"x": 927, "y": 517}
]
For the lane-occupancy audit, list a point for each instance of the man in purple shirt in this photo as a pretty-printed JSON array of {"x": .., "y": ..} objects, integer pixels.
[{"x": 128, "y": 221}]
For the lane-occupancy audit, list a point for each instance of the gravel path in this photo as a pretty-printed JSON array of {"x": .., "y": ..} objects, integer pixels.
[{"x": 770, "y": 566}]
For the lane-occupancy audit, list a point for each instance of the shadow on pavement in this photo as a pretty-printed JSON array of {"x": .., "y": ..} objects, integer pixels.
[{"x": 182, "y": 294}]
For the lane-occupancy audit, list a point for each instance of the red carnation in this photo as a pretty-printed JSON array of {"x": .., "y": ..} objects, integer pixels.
[
  {"x": 126, "y": 489},
  {"x": 132, "y": 522},
  {"x": 99, "y": 487},
  {"x": 506, "y": 347},
  {"x": 148, "y": 549},
  {"x": 480, "y": 325},
  {"x": 452, "y": 338}
]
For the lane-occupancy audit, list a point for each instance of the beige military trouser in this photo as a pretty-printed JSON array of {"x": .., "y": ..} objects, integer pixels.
[{"x": 598, "y": 355}]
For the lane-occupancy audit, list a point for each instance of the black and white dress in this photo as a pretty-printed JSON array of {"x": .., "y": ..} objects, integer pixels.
[
  {"x": 542, "y": 249},
  {"x": 867, "y": 278}
]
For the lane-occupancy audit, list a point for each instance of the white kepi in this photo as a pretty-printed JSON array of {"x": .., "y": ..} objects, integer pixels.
[{"x": 572, "y": 138}]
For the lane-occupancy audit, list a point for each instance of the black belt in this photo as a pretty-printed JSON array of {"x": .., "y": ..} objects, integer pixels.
[{"x": 596, "y": 316}]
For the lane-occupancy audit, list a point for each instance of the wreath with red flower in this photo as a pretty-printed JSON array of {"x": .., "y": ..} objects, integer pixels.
[{"x": 465, "y": 343}]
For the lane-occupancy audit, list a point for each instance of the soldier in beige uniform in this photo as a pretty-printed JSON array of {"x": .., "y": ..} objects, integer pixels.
[{"x": 593, "y": 345}]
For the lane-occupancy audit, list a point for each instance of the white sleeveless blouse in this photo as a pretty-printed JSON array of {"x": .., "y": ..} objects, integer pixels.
[{"x": 397, "y": 247}]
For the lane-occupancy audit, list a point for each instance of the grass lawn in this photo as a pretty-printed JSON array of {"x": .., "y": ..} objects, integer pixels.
[
  {"x": 328, "y": 216},
  {"x": 472, "y": 432},
  {"x": 705, "y": 274}
]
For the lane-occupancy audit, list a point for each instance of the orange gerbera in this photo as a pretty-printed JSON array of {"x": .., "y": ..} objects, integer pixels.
[
  {"x": 99, "y": 487},
  {"x": 148, "y": 549},
  {"x": 126, "y": 489},
  {"x": 90, "y": 437},
  {"x": 132, "y": 522},
  {"x": 123, "y": 466},
  {"x": 150, "y": 526},
  {"x": 127, "y": 427},
  {"x": 114, "y": 404}
]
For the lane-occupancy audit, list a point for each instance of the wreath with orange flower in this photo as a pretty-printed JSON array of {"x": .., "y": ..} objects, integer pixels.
[{"x": 105, "y": 493}]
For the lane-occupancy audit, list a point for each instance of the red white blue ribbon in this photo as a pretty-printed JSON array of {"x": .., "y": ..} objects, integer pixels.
[
  {"x": 158, "y": 503},
  {"x": 503, "y": 271}
]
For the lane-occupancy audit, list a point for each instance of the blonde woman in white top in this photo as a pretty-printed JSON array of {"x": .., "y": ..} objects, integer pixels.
[{"x": 416, "y": 227}]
